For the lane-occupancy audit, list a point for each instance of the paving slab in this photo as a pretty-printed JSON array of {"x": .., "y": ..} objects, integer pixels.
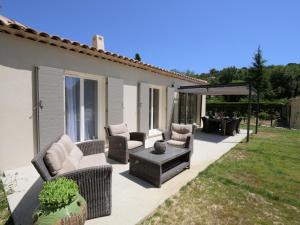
[{"x": 132, "y": 198}]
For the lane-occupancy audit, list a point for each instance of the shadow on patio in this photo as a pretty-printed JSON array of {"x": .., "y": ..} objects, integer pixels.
[{"x": 214, "y": 138}]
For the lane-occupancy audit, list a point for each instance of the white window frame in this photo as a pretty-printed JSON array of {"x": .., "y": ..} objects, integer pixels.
[
  {"x": 83, "y": 77},
  {"x": 152, "y": 111}
]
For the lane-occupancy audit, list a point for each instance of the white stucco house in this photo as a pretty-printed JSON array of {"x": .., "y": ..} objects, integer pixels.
[{"x": 50, "y": 85}]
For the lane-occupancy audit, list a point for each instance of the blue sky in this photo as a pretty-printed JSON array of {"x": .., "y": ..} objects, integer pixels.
[{"x": 197, "y": 35}]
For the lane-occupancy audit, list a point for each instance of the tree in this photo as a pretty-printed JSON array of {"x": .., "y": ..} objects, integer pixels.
[
  {"x": 137, "y": 57},
  {"x": 227, "y": 75},
  {"x": 256, "y": 75}
]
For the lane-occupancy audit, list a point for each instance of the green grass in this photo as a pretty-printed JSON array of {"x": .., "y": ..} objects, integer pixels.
[
  {"x": 4, "y": 211},
  {"x": 255, "y": 183}
]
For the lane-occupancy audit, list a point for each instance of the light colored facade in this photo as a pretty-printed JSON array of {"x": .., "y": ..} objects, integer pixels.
[{"x": 33, "y": 95}]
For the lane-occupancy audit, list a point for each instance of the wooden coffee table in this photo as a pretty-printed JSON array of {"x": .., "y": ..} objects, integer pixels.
[{"x": 157, "y": 169}]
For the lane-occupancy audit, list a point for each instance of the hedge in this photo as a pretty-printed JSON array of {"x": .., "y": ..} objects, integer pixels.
[{"x": 241, "y": 108}]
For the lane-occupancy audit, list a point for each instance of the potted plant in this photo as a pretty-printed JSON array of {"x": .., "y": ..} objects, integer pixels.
[{"x": 60, "y": 203}]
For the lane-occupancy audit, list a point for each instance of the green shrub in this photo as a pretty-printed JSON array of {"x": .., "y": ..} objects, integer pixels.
[
  {"x": 263, "y": 116},
  {"x": 57, "y": 193}
]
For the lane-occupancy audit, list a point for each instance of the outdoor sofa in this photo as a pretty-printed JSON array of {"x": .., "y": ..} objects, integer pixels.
[
  {"x": 121, "y": 141},
  {"x": 84, "y": 163},
  {"x": 180, "y": 135}
]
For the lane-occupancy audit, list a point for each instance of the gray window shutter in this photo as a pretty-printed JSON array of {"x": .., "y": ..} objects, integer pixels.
[
  {"x": 143, "y": 108},
  {"x": 170, "y": 106},
  {"x": 114, "y": 101},
  {"x": 50, "y": 105}
]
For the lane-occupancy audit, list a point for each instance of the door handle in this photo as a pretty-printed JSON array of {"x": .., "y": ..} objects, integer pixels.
[{"x": 41, "y": 105}]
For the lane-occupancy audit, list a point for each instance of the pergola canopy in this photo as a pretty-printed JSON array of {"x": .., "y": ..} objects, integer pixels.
[
  {"x": 219, "y": 89},
  {"x": 226, "y": 89}
]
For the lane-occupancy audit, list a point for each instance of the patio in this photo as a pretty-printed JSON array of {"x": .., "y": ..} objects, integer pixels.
[{"x": 132, "y": 198}]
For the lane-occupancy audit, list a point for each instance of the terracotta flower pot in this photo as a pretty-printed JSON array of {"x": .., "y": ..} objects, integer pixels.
[{"x": 73, "y": 214}]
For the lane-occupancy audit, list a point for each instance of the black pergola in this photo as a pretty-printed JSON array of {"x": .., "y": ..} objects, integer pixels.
[{"x": 227, "y": 89}]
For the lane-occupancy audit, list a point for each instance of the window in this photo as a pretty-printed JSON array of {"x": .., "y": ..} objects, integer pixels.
[
  {"x": 187, "y": 108},
  {"x": 153, "y": 108},
  {"x": 81, "y": 108}
]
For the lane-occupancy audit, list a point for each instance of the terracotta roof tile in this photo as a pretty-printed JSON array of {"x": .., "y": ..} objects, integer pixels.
[{"x": 13, "y": 27}]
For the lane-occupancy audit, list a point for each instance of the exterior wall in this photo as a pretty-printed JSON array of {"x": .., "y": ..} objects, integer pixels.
[
  {"x": 18, "y": 57},
  {"x": 295, "y": 113}
]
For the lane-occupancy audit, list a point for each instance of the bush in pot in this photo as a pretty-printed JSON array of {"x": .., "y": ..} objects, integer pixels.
[{"x": 60, "y": 203}]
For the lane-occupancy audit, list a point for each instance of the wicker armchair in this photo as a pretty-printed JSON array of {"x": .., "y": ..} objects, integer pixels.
[
  {"x": 180, "y": 135},
  {"x": 121, "y": 142},
  {"x": 229, "y": 127},
  {"x": 205, "y": 124},
  {"x": 94, "y": 182}
]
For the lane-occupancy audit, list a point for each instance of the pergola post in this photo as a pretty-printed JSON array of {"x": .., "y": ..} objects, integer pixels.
[
  {"x": 249, "y": 112},
  {"x": 257, "y": 108}
]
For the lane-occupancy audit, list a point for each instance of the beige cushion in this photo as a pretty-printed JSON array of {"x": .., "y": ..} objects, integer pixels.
[
  {"x": 75, "y": 156},
  {"x": 182, "y": 128},
  {"x": 176, "y": 143},
  {"x": 54, "y": 158},
  {"x": 66, "y": 142},
  {"x": 68, "y": 166},
  {"x": 134, "y": 144},
  {"x": 93, "y": 160},
  {"x": 120, "y": 130},
  {"x": 179, "y": 137}
]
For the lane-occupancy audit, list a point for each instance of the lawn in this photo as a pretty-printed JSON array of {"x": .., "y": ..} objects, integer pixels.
[
  {"x": 4, "y": 211},
  {"x": 255, "y": 183}
]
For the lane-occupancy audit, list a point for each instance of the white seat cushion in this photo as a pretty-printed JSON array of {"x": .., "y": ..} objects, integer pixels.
[
  {"x": 92, "y": 160},
  {"x": 66, "y": 142},
  {"x": 179, "y": 137},
  {"x": 76, "y": 155},
  {"x": 176, "y": 143},
  {"x": 120, "y": 130},
  {"x": 67, "y": 166},
  {"x": 134, "y": 144}
]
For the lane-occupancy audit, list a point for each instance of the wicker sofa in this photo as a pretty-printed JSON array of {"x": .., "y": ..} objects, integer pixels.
[
  {"x": 180, "y": 135},
  {"x": 91, "y": 172},
  {"x": 121, "y": 141}
]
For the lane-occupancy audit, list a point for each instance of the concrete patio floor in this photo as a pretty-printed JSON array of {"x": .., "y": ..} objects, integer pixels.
[{"x": 132, "y": 198}]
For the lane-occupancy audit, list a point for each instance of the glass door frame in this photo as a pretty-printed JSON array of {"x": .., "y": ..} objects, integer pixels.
[{"x": 83, "y": 77}]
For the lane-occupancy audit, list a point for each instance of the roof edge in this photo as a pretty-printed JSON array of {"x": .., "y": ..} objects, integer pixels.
[{"x": 15, "y": 28}]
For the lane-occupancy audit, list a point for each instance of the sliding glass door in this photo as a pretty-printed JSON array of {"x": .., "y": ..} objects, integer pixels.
[
  {"x": 187, "y": 108},
  {"x": 90, "y": 109},
  {"x": 81, "y": 108},
  {"x": 153, "y": 108},
  {"x": 72, "y": 107}
]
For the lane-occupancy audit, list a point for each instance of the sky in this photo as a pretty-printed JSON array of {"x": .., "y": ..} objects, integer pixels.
[{"x": 195, "y": 35}]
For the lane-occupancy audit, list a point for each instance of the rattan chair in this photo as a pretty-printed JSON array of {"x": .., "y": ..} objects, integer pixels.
[
  {"x": 183, "y": 131},
  {"x": 229, "y": 127},
  {"x": 205, "y": 124},
  {"x": 120, "y": 145},
  {"x": 94, "y": 182}
]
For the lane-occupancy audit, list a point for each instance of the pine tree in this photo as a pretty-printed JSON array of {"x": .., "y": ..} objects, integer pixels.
[
  {"x": 257, "y": 76},
  {"x": 137, "y": 57}
]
